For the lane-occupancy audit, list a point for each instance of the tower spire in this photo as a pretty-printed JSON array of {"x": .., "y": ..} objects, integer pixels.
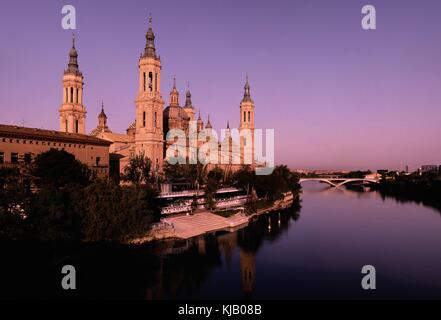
[
  {"x": 247, "y": 94},
  {"x": 208, "y": 125},
  {"x": 72, "y": 66},
  {"x": 150, "y": 50},
  {"x": 188, "y": 103}
]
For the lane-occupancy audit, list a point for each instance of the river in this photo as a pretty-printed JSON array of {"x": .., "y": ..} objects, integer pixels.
[{"x": 315, "y": 251}]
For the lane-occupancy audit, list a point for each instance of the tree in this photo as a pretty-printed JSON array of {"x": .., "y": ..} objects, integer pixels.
[
  {"x": 214, "y": 180},
  {"x": 244, "y": 178},
  {"x": 110, "y": 212},
  {"x": 138, "y": 171},
  {"x": 12, "y": 198},
  {"x": 59, "y": 168}
]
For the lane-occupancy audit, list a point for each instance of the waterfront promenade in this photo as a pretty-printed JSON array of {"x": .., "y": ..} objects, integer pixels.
[{"x": 203, "y": 222}]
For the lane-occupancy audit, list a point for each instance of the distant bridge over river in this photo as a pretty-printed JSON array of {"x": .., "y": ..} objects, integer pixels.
[{"x": 338, "y": 182}]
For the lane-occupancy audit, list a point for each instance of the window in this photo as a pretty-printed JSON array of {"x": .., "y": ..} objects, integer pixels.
[
  {"x": 156, "y": 82},
  {"x": 76, "y": 126},
  {"x": 71, "y": 94},
  {"x": 77, "y": 96},
  {"x": 154, "y": 121},
  {"x": 27, "y": 158},
  {"x": 14, "y": 157},
  {"x": 97, "y": 161},
  {"x": 66, "y": 125},
  {"x": 249, "y": 116},
  {"x": 150, "y": 81},
  {"x": 244, "y": 117},
  {"x": 144, "y": 81},
  {"x": 143, "y": 119},
  {"x": 2, "y": 157},
  {"x": 66, "y": 96}
]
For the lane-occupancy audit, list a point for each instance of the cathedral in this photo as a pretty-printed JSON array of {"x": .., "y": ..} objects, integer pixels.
[{"x": 147, "y": 134}]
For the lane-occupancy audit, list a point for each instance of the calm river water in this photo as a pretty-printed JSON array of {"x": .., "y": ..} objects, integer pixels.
[{"x": 316, "y": 251}]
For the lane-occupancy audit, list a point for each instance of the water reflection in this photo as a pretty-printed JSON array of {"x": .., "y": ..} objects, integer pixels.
[
  {"x": 277, "y": 256},
  {"x": 186, "y": 265}
]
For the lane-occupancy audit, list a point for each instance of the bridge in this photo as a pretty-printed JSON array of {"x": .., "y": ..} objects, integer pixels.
[{"x": 338, "y": 182}]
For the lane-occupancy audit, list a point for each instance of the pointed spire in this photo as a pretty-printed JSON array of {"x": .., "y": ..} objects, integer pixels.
[
  {"x": 188, "y": 103},
  {"x": 247, "y": 94},
  {"x": 72, "y": 66},
  {"x": 150, "y": 50},
  {"x": 102, "y": 114},
  {"x": 208, "y": 125},
  {"x": 174, "y": 94}
]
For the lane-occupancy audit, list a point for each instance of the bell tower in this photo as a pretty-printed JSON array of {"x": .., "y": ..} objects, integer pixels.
[
  {"x": 72, "y": 111},
  {"x": 246, "y": 127},
  {"x": 149, "y": 104}
]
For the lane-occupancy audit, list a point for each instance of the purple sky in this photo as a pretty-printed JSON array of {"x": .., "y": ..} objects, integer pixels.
[{"x": 338, "y": 97}]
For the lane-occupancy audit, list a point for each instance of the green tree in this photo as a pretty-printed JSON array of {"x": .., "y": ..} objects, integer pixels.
[
  {"x": 138, "y": 171},
  {"x": 110, "y": 212}
]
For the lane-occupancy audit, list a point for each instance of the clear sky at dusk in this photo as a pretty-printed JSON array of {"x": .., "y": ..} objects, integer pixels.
[{"x": 338, "y": 97}]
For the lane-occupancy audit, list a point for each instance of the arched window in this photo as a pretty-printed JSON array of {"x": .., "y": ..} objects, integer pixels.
[
  {"x": 150, "y": 81},
  {"x": 77, "y": 96},
  {"x": 154, "y": 121},
  {"x": 71, "y": 94},
  {"x": 244, "y": 117},
  {"x": 76, "y": 126},
  {"x": 143, "y": 119},
  {"x": 249, "y": 116},
  {"x": 144, "y": 81},
  {"x": 66, "y": 125},
  {"x": 66, "y": 98},
  {"x": 156, "y": 82}
]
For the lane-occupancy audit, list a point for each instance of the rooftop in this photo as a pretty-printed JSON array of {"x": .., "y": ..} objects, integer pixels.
[{"x": 53, "y": 135}]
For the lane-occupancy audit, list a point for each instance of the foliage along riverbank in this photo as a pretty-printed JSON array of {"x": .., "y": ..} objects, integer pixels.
[
  {"x": 57, "y": 199},
  {"x": 424, "y": 189}
]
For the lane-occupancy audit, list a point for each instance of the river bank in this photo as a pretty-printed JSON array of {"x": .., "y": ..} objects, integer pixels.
[
  {"x": 204, "y": 221},
  {"x": 413, "y": 189}
]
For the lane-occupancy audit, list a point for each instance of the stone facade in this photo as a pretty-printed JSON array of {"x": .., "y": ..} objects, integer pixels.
[{"x": 20, "y": 144}]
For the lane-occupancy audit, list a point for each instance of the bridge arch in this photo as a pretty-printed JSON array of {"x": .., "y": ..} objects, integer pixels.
[{"x": 338, "y": 182}]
